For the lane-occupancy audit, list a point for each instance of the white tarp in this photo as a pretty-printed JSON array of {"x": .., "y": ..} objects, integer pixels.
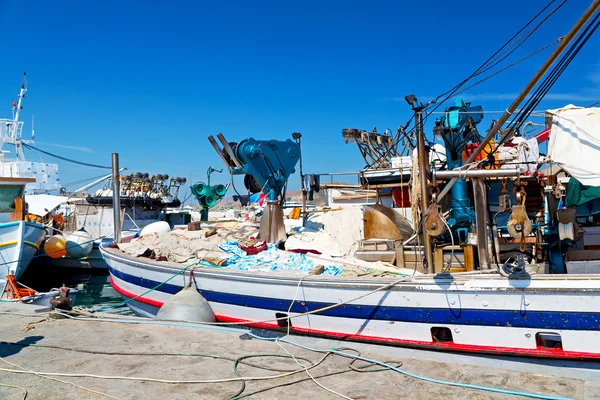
[
  {"x": 42, "y": 204},
  {"x": 575, "y": 142}
]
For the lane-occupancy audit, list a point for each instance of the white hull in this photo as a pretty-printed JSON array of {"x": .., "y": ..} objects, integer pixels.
[
  {"x": 19, "y": 242},
  {"x": 488, "y": 314}
]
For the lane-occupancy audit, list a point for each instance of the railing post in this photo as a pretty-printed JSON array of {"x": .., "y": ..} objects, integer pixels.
[{"x": 116, "y": 188}]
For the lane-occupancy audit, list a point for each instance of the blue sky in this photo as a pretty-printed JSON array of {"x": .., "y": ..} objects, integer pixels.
[{"x": 151, "y": 80}]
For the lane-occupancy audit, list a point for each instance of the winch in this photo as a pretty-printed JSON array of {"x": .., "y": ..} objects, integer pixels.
[{"x": 266, "y": 166}]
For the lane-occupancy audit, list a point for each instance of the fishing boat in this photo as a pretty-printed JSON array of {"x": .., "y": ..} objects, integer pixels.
[
  {"x": 501, "y": 256},
  {"x": 19, "y": 239}
]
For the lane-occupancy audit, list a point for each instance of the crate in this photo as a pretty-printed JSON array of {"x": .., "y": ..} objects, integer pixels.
[
  {"x": 195, "y": 226},
  {"x": 376, "y": 245},
  {"x": 402, "y": 162}
]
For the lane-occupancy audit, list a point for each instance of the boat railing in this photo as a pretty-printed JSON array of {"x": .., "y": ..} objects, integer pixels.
[
  {"x": 133, "y": 222},
  {"x": 6, "y": 128},
  {"x": 340, "y": 180}
]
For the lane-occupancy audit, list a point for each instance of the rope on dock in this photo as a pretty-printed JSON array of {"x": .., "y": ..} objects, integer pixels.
[
  {"x": 41, "y": 375},
  {"x": 16, "y": 387},
  {"x": 343, "y": 352}
]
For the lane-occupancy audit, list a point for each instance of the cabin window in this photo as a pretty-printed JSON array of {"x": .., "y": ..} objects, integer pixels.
[
  {"x": 441, "y": 334},
  {"x": 548, "y": 340},
  {"x": 7, "y": 197}
]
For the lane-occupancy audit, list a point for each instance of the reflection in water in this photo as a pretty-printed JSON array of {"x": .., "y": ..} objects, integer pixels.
[{"x": 93, "y": 285}]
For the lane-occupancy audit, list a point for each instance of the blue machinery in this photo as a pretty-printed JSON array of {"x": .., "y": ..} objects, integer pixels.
[
  {"x": 208, "y": 196},
  {"x": 267, "y": 165},
  {"x": 457, "y": 128}
]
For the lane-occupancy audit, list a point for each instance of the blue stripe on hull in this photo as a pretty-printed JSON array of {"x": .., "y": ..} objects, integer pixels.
[{"x": 510, "y": 318}]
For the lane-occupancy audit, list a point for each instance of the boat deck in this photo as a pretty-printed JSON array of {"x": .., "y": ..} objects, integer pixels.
[{"x": 541, "y": 281}]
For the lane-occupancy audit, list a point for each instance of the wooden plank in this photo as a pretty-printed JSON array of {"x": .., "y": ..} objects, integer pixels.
[
  {"x": 17, "y": 180},
  {"x": 355, "y": 197},
  {"x": 469, "y": 252}
]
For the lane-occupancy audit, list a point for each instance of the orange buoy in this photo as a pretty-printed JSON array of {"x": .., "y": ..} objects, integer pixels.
[{"x": 55, "y": 246}]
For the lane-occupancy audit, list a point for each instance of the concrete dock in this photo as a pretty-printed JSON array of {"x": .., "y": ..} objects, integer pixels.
[{"x": 36, "y": 343}]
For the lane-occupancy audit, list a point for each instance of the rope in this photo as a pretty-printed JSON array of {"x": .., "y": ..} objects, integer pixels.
[
  {"x": 336, "y": 351},
  {"x": 16, "y": 387},
  {"x": 41, "y": 375}
]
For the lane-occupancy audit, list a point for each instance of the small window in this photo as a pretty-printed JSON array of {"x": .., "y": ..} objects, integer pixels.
[
  {"x": 283, "y": 323},
  {"x": 8, "y": 193},
  {"x": 548, "y": 340},
  {"x": 441, "y": 334}
]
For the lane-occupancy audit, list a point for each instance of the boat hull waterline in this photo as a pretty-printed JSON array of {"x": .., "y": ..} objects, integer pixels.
[{"x": 479, "y": 314}]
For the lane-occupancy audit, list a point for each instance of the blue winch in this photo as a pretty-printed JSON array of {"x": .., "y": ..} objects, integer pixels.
[
  {"x": 267, "y": 164},
  {"x": 457, "y": 128}
]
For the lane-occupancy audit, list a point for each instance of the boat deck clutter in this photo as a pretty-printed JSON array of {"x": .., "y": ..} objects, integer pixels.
[
  {"x": 128, "y": 358},
  {"x": 232, "y": 245}
]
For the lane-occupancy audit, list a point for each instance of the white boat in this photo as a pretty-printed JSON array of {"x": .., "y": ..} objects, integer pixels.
[
  {"x": 19, "y": 240},
  {"x": 544, "y": 315},
  {"x": 516, "y": 311}
]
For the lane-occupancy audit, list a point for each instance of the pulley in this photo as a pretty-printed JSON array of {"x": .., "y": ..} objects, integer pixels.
[
  {"x": 434, "y": 223},
  {"x": 567, "y": 231},
  {"x": 519, "y": 225}
]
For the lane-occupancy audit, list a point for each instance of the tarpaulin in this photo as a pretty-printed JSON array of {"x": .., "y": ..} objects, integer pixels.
[
  {"x": 586, "y": 198},
  {"x": 575, "y": 142}
]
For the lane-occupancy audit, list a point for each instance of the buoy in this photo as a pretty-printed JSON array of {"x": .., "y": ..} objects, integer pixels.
[
  {"x": 55, "y": 246},
  {"x": 79, "y": 244},
  {"x": 156, "y": 227},
  {"x": 187, "y": 305}
]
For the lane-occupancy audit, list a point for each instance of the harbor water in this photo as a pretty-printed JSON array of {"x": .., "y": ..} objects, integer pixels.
[{"x": 93, "y": 285}]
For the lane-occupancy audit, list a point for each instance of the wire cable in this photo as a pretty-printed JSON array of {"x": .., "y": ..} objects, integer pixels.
[{"x": 30, "y": 147}]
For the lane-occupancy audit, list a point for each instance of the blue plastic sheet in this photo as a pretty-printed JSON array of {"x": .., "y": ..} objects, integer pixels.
[{"x": 273, "y": 259}]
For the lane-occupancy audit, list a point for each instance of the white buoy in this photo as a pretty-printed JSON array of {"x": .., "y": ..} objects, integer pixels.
[
  {"x": 187, "y": 305},
  {"x": 156, "y": 227},
  {"x": 79, "y": 244}
]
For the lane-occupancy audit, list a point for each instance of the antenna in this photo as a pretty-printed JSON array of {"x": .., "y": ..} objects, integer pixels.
[{"x": 32, "y": 128}]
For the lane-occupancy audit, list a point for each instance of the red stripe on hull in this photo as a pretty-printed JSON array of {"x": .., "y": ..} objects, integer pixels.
[
  {"x": 447, "y": 346},
  {"x": 131, "y": 295}
]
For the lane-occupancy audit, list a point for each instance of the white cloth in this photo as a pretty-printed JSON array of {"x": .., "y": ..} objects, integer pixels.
[
  {"x": 575, "y": 142},
  {"x": 42, "y": 204},
  {"x": 529, "y": 153}
]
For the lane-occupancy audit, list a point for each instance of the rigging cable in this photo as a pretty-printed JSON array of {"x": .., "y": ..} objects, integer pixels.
[
  {"x": 556, "y": 72},
  {"x": 541, "y": 91},
  {"x": 507, "y": 67},
  {"x": 485, "y": 66},
  {"x": 30, "y": 147}
]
